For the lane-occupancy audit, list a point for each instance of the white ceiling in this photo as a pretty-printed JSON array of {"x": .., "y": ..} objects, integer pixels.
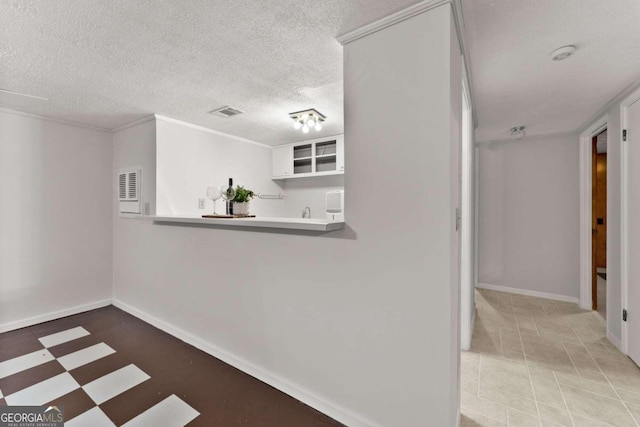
[
  {"x": 108, "y": 63},
  {"x": 516, "y": 83}
]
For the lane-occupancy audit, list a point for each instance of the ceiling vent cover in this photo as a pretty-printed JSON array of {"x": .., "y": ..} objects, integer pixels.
[{"x": 226, "y": 112}]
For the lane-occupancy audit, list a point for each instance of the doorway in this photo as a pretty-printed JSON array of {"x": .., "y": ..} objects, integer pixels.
[
  {"x": 588, "y": 168},
  {"x": 630, "y": 233},
  {"x": 599, "y": 223}
]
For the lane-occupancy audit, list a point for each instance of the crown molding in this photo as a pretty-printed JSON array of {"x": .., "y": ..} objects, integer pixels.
[
  {"x": 458, "y": 18},
  {"x": 53, "y": 119},
  {"x": 389, "y": 20},
  {"x": 207, "y": 130},
  {"x": 134, "y": 123},
  {"x": 614, "y": 101},
  {"x": 410, "y": 12}
]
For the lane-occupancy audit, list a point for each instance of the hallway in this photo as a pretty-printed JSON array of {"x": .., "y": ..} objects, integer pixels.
[{"x": 539, "y": 362}]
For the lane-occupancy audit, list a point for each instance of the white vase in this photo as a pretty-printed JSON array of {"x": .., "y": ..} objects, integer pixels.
[{"x": 241, "y": 208}]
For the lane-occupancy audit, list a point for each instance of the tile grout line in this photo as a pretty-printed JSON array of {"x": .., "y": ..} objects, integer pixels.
[
  {"x": 615, "y": 391},
  {"x": 508, "y": 420},
  {"x": 536, "y": 325},
  {"x": 484, "y": 416},
  {"x": 500, "y": 338},
  {"x": 564, "y": 318},
  {"x": 478, "y": 383},
  {"x": 563, "y": 398},
  {"x": 501, "y": 346},
  {"x": 587, "y": 391},
  {"x": 535, "y": 399},
  {"x": 478, "y": 389},
  {"x": 559, "y": 339},
  {"x": 502, "y": 356},
  {"x": 564, "y": 347},
  {"x": 584, "y": 379},
  {"x": 605, "y": 376}
]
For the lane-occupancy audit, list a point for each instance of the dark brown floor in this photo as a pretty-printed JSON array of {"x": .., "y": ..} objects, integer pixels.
[{"x": 223, "y": 395}]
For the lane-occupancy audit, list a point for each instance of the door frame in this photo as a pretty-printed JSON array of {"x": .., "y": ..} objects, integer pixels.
[
  {"x": 624, "y": 220},
  {"x": 586, "y": 209},
  {"x": 467, "y": 222}
]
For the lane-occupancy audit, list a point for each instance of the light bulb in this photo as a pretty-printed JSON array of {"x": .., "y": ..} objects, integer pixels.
[
  {"x": 311, "y": 122},
  {"x": 296, "y": 124},
  {"x": 305, "y": 129},
  {"x": 318, "y": 126}
]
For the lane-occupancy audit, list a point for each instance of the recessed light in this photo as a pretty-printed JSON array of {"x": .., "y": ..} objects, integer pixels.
[{"x": 563, "y": 52}]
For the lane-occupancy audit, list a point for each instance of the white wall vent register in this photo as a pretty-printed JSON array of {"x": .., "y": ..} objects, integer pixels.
[
  {"x": 129, "y": 190},
  {"x": 335, "y": 205}
]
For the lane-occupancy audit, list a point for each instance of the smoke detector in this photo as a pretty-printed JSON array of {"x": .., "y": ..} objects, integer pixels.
[
  {"x": 226, "y": 112},
  {"x": 563, "y": 52},
  {"x": 517, "y": 132}
]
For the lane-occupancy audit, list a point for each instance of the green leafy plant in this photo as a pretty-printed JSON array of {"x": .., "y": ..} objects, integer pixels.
[{"x": 243, "y": 195}]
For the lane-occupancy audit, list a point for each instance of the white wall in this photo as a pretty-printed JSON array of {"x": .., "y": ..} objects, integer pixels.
[
  {"x": 454, "y": 145},
  {"x": 311, "y": 192},
  {"x": 529, "y": 215},
  {"x": 135, "y": 146},
  {"x": 55, "y": 219},
  {"x": 361, "y": 323},
  {"x": 191, "y": 159}
]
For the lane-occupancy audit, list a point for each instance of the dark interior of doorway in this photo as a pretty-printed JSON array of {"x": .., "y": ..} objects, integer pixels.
[{"x": 599, "y": 222}]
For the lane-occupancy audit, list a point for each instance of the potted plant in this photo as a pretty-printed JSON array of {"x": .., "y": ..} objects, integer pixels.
[{"x": 241, "y": 200}]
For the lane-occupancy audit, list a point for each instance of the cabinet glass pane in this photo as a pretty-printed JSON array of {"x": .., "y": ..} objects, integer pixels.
[
  {"x": 326, "y": 164},
  {"x": 302, "y": 151},
  {"x": 302, "y": 166},
  {"x": 324, "y": 148}
]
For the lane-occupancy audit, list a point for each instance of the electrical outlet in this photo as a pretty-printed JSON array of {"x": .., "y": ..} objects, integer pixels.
[{"x": 200, "y": 203}]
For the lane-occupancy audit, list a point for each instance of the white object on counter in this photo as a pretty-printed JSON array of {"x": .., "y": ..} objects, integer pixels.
[{"x": 335, "y": 205}]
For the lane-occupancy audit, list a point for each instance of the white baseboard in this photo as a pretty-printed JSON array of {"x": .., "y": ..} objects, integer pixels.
[
  {"x": 615, "y": 341},
  {"x": 300, "y": 393},
  {"x": 53, "y": 315},
  {"x": 527, "y": 292}
]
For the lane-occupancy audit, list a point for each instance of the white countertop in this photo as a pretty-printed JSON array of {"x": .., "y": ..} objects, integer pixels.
[{"x": 309, "y": 224}]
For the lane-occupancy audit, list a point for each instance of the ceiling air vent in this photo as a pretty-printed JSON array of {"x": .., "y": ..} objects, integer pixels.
[{"x": 226, "y": 112}]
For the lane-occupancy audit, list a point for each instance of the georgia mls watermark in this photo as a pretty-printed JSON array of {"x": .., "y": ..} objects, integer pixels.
[{"x": 31, "y": 416}]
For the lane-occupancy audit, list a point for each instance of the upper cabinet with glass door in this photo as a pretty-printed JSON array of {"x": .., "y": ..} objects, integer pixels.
[{"x": 318, "y": 157}]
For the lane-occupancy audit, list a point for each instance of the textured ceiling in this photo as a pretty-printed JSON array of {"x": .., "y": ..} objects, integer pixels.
[
  {"x": 516, "y": 83},
  {"x": 108, "y": 63}
]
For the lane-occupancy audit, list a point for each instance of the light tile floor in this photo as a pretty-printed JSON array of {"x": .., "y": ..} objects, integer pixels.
[
  {"x": 539, "y": 362},
  {"x": 602, "y": 297}
]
